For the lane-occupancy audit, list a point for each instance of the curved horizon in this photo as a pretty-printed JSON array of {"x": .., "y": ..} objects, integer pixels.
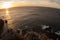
[{"x": 44, "y": 3}]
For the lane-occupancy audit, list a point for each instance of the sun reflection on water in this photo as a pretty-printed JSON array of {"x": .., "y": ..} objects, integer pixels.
[
  {"x": 9, "y": 19},
  {"x": 8, "y": 15},
  {"x": 7, "y": 12}
]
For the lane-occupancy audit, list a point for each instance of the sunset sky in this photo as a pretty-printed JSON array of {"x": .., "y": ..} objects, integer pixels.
[{"x": 46, "y": 3}]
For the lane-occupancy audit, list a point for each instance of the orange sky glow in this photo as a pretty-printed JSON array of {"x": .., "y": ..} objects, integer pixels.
[{"x": 43, "y": 3}]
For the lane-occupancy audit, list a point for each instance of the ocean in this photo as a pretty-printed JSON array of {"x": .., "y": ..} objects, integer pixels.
[{"x": 31, "y": 17}]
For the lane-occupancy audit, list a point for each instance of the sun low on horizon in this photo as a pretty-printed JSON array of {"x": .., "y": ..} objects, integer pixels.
[{"x": 7, "y": 5}]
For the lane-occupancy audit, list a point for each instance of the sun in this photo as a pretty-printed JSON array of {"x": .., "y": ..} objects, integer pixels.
[{"x": 6, "y": 5}]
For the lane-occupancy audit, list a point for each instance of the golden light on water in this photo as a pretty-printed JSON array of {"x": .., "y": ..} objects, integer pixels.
[
  {"x": 7, "y": 14},
  {"x": 6, "y": 5},
  {"x": 9, "y": 19}
]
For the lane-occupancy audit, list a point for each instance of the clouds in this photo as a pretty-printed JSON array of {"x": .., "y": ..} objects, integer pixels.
[
  {"x": 55, "y": 1},
  {"x": 47, "y": 3},
  {"x": 32, "y": 1}
]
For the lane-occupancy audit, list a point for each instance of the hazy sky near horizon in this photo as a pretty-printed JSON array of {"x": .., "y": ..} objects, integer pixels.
[{"x": 50, "y": 3}]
